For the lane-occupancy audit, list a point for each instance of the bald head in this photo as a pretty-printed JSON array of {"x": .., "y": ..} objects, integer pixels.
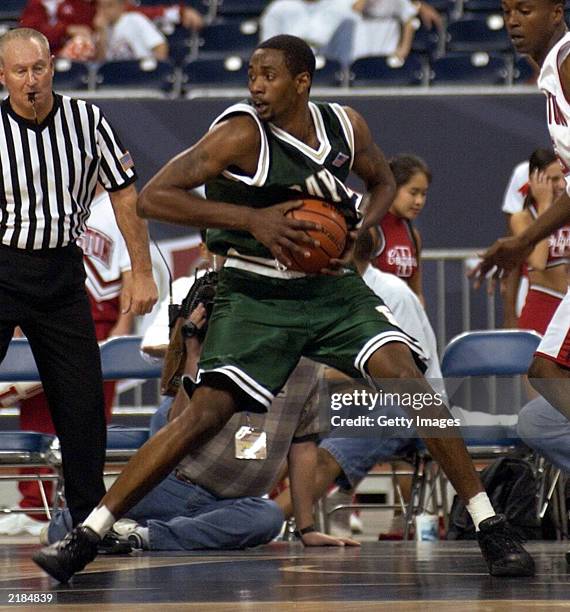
[{"x": 22, "y": 35}]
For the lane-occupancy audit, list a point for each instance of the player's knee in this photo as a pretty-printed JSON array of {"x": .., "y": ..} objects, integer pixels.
[{"x": 206, "y": 413}]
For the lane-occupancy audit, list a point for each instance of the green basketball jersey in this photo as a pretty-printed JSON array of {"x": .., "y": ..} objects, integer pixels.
[{"x": 287, "y": 169}]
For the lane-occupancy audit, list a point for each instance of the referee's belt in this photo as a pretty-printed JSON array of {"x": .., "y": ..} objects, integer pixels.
[{"x": 260, "y": 265}]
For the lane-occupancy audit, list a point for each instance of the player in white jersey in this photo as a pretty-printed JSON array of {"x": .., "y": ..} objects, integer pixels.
[{"x": 539, "y": 31}]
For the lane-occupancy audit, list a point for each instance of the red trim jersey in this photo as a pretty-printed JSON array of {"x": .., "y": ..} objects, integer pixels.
[
  {"x": 558, "y": 244},
  {"x": 397, "y": 253},
  {"x": 106, "y": 258}
]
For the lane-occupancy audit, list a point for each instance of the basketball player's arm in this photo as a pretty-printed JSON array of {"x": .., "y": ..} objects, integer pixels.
[
  {"x": 371, "y": 166},
  {"x": 141, "y": 294},
  {"x": 506, "y": 253},
  {"x": 234, "y": 142},
  {"x": 539, "y": 256}
]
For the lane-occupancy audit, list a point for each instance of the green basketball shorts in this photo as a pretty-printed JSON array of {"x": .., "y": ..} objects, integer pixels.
[{"x": 261, "y": 326}]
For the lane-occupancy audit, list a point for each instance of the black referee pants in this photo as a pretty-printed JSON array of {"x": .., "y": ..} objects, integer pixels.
[{"x": 44, "y": 293}]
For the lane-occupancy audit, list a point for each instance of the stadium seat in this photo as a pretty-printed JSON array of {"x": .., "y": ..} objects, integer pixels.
[
  {"x": 179, "y": 44},
  {"x": 23, "y": 448},
  {"x": 377, "y": 71},
  {"x": 134, "y": 74},
  {"x": 252, "y": 8},
  {"x": 71, "y": 75},
  {"x": 484, "y": 33},
  {"x": 482, "y": 6},
  {"x": 426, "y": 41},
  {"x": 328, "y": 73},
  {"x": 470, "y": 69},
  {"x": 11, "y": 9},
  {"x": 524, "y": 73},
  {"x": 121, "y": 357},
  {"x": 230, "y": 71},
  {"x": 228, "y": 37}
]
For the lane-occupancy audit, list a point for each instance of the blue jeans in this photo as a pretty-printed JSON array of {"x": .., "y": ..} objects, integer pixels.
[
  {"x": 547, "y": 431},
  {"x": 184, "y": 516}
]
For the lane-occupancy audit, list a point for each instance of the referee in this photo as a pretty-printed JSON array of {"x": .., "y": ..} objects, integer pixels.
[{"x": 53, "y": 150}]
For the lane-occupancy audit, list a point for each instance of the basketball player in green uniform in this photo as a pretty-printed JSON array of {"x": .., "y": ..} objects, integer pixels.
[{"x": 257, "y": 160}]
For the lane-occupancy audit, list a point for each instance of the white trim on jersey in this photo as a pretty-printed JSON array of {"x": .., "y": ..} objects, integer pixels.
[
  {"x": 260, "y": 176},
  {"x": 319, "y": 155},
  {"x": 244, "y": 382},
  {"x": 346, "y": 126}
]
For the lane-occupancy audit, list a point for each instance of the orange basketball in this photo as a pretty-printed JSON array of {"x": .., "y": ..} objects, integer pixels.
[{"x": 332, "y": 236}]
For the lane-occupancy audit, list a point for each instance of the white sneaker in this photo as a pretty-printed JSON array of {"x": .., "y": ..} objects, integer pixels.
[
  {"x": 356, "y": 525},
  {"x": 125, "y": 526},
  {"x": 16, "y": 523}
]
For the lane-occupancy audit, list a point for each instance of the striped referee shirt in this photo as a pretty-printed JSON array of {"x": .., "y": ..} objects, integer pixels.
[{"x": 48, "y": 172}]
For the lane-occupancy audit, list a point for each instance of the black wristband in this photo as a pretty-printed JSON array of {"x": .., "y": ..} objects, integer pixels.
[{"x": 301, "y": 532}]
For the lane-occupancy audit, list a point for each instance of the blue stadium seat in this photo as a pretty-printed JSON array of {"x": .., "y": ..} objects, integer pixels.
[
  {"x": 252, "y": 8},
  {"x": 426, "y": 41},
  {"x": 482, "y": 6},
  {"x": 135, "y": 74},
  {"x": 230, "y": 71},
  {"x": 19, "y": 364},
  {"x": 376, "y": 71},
  {"x": 524, "y": 73},
  {"x": 179, "y": 44},
  {"x": 484, "y": 33},
  {"x": 11, "y": 9},
  {"x": 474, "y": 69},
  {"x": 328, "y": 73},
  {"x": 71, "y": 75},
  {"x": 225, "y": 37},
  {"x": 121, "y": 358}
]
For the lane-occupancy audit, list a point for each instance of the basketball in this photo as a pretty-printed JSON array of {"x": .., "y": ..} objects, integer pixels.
[{"x": 332, "y": 236}]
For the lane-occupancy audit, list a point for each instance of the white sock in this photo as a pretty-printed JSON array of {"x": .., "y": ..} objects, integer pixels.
[
  {"x": 480, "y": 508},
  {"x": 100, "y": 520}
]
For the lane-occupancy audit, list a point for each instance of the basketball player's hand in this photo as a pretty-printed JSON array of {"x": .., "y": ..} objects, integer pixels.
[
  {"x": 499, "y": 260},
  {"x": 281, "y": 234},
  {"x": 338, "y": 265},
  {"x": 316, "y": 538},
  {"x": 142, "y": 294}
]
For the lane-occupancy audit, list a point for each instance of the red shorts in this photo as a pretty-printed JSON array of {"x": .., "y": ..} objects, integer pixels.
[
  {"x": 538, "y": 309},
  {"x": 555, "y": 344}
]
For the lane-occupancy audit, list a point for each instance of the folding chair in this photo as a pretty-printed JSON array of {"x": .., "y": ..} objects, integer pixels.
[
  {"x": 27, "y": 449},
  {"x": 501, "y": 353}
]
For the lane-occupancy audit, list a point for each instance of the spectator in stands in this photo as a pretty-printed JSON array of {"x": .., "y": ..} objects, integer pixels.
[
  {"x": 123, "y": 35},
  {"x": 315, "y": 21},
  {"x": 383, "y": 27},
  {"x": 400, "y": 244},
  {"x": 70, "y": 22}
]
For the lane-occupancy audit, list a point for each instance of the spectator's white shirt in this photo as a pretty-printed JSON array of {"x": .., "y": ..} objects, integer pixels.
[
  {"x": 133, "y": 36},
  {"x": 513, "y": 199},
  {"x": 379, "y": 33},
  {"x": 314, "y": 22}
]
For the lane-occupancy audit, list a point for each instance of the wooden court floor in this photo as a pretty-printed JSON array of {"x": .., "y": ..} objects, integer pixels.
[{"x": 386, "y": 576}]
